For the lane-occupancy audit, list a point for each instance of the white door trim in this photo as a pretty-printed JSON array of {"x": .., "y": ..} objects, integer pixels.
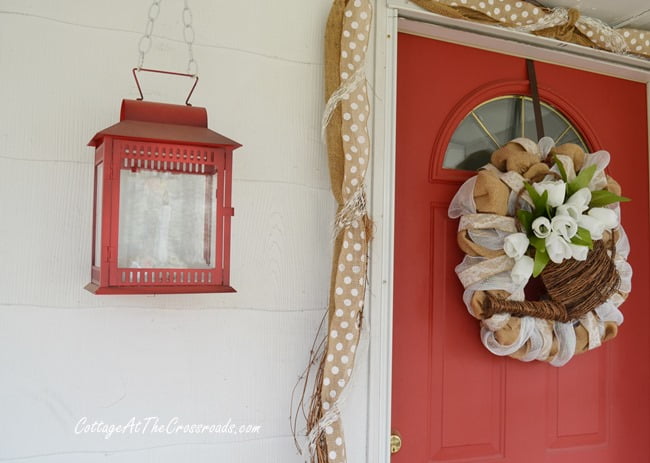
[{"x": 392, "y": 16}]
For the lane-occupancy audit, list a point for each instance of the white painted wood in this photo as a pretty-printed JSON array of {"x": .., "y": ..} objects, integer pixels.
[
  {"x": 70, "y": 96},
  {"x": 286, "y": 30},
  {"x": 612, "y": 13},
  {"x": 382, "y": 197},
  {"x": 381, "y": 263},
  {"x": 64, "y": 353},
  {"x": 113, "y": 364}
]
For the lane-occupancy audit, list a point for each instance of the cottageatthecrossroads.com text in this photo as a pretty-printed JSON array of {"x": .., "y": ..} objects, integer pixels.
[{"x": 154, "y": 425}]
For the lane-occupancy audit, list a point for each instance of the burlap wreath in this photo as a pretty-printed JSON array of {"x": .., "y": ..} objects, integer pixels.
[{"x": 573, "y": 306}]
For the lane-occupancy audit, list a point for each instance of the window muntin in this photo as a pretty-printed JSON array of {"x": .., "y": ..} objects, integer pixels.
[{"x": 493, "y": 123}]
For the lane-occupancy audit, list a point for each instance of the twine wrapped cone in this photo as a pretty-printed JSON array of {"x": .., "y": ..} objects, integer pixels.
[{"x": 574, "y": 288}]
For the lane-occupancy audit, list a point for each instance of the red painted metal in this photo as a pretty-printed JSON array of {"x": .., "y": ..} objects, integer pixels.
[
  {"x": 453, "y": 401},
  {"x": 164, "y": 138},
  {"x": 147, "y": 121}
]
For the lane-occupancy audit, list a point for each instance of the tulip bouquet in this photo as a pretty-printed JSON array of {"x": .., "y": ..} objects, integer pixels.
[{"x": 561, "y": 221}]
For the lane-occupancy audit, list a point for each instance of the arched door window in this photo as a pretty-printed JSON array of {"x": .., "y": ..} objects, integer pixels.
[{"x": 495, "y": 122}]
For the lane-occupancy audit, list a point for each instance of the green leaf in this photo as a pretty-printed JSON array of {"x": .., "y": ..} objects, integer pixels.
[
  {"x": 577, "y": 241},
  {"x": 539, "y": 202},
  {"x": 582, "y": 180},
  {"x": 525, "y": 219},
  {"x": 583, "y": 238},
  {"x": 534, "y": 195},
  {"x": 560, "y": 167},
  {"x": 538, "y": 243},
  {"x": 545, "y": 209},
  {"x": 541, "y": 259},
  {"x": 602, "y": 198}
]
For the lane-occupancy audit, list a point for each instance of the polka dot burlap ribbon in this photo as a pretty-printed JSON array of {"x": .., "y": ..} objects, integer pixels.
[
  {"x": 345, "y": 121},
  {"x": 560, "y": 23}
]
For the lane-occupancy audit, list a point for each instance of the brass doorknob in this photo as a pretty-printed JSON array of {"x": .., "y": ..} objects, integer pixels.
[{"x": 395, "y": 443}]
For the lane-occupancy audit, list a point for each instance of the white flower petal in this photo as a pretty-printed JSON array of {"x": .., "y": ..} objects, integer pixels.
[
  {"x": 579, "y": 252},
  {"x": 565, "y": 226},
  {"x": 606, "y": 216},
  {"x": 522, "y": 270},
  {"x": 515, "y": 245},
  {"x": 556, "y": 191},
  {"x": 580, "y": 199},
  {"x": 541, "y": 227},
  {"x": 568, "y": 210},
  {"x": 593, "y": 226},
  {"x": 557, "y": 248}
]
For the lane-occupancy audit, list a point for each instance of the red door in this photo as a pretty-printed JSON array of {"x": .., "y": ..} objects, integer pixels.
[{"x": 453, "y": 401}]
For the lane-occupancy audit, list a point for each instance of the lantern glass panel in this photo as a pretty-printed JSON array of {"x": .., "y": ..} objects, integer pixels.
[
  {"x": 99, "y": 188},
  {"x": 166, "y": 220}
]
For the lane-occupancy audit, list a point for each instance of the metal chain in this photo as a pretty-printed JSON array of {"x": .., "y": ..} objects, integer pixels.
[
  {"x": 145, "y": 41},
  {"x": 144, "y": 45},
  {"x": 188, "y": 36}
]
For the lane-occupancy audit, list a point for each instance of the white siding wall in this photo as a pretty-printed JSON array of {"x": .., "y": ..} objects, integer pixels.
[{"x": 64, "y": 353}]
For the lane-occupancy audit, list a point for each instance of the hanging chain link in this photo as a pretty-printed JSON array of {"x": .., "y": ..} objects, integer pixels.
[
  {"x": 188, "y": 36},
  {"x": 144, "y": 45},
  {"x": 145, "y": 41}
]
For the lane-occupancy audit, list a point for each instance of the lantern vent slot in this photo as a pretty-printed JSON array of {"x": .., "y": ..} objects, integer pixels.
[
  {"x": 168, "y": 158},
  {"x": 168, "y": 277}
]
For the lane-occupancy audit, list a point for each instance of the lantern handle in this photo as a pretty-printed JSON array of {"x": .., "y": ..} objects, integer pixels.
[{"x": 137, "y": 82}]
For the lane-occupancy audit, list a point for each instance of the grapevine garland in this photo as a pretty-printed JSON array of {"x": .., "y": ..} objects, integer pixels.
[{"x": 545, "y": 218}]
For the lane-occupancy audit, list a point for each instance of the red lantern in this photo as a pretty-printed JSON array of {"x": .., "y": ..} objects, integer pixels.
[{"x": 162, "y": 203}]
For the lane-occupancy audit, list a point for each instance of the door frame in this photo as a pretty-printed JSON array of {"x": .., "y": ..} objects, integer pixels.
[{"x": 391, "y": 17}]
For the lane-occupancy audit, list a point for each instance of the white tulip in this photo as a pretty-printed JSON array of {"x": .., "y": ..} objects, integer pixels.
[
  {"x": 515, "y": 245},
  {"x": 557, "y": 248},
  {"x": 579, "y": 252},
  {"x": 522, "y": 270},
  {"x": 606, "y": 216},
  {"x": 556, "y": 191},
  {"x": 580, "y": 200},
  {"x": 541, "y": 227},
  {"x": 594, "y": 226},
  {"x": 569, "y": 211},
  {"x": 565, "y": 226}
]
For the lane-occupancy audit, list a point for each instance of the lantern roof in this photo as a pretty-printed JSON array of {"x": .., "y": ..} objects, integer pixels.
[{"x": 150, "y": 121}]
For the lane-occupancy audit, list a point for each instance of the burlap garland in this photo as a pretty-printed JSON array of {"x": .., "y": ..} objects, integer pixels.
[
  {"x": 348, "y": 141},
  {"x": 560, "y": 23}
]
